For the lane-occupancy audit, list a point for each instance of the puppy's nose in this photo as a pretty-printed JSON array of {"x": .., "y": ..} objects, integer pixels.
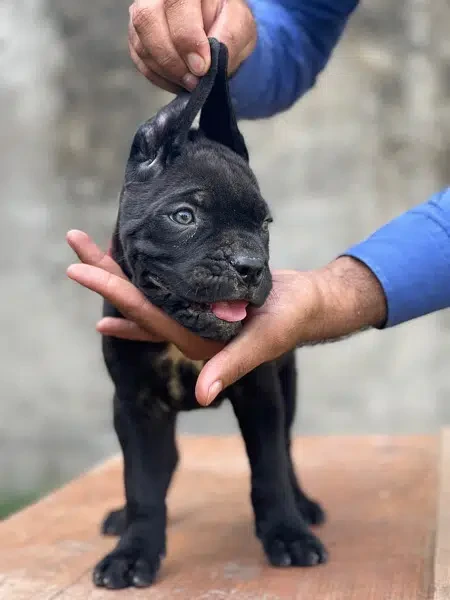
[{"x": 249, "y": 268}]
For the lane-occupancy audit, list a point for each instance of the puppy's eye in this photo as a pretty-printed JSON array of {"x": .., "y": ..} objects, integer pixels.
[
  {"x": 183, "y": 217},
  {"x": 265, "y": 225}
]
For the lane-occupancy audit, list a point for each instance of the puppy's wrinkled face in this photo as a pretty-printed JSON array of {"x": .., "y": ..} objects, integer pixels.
[{"x": 195, "y": 239}]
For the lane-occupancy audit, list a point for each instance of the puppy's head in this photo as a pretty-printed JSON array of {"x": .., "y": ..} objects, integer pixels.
[{"x": 192, "y": 224}]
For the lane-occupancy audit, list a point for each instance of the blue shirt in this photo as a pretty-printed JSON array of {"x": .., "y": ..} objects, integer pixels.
[{"x": 410, "y": 256}]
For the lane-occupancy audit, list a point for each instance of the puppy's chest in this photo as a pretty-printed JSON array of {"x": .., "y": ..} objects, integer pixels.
[{"x": 170, "y": 385}]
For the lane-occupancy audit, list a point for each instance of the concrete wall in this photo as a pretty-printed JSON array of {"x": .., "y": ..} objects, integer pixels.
[{"x": 367, "y": 143}]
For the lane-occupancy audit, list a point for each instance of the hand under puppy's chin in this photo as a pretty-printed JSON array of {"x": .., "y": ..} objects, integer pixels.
[
  {"x": 208, "y": 326},
  {"x": 198, "y": 318}
]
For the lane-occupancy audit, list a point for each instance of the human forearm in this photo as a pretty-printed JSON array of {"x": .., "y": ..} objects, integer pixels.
[
  {"x": 410, "y": 256},
  {"x": 399, "y": 273}
]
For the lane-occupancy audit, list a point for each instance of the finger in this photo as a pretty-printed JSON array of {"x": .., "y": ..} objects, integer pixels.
[
  {"x": 237, "y": 30},
  {"x": 120, "y": 292},
  {"x": 149, "y": 68},
  {"x": 89, "y": 253},
  {"x": 210, "y": 11},
  {"x": 136, "y": 57},
  {"x": 150, "y": 24},
  {"x": 238, "y": 59},
  {"x": 133, "y": 305},
  {"x": 147, "y": 72},
  {"x": 127, "y": 330},
  {"x": 185, "y": 22},
  {"x": 243, "y": 354}
]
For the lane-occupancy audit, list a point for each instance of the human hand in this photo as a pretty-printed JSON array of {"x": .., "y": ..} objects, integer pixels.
[
  {"x": 303, "y": 307},
  {"x": 168, "y": 39}
]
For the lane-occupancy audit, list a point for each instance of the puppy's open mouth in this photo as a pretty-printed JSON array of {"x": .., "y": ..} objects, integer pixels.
[{"x": 231, "y": 311}]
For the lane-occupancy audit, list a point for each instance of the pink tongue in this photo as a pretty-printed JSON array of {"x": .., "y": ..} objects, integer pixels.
[{"x": 232, "y": 311}]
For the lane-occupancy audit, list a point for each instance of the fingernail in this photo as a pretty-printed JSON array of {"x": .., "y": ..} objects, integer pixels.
[
  {"x": 73, "y": 269},
  {"x": 214, "y": 389},
  {"x": 190, "y": 81},
  {"x": 196, "y": 63}
]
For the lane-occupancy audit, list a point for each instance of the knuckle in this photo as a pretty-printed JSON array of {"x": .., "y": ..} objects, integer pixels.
[
  {"x": 182, "y": 35},
  {"x": 177, "y": 8},
  {"x": 110, "y": 287},
  {"x": 189, "y": 37},
  {"x": 101, "y": 260},
  {"x": 171, "y": 5},
  {"x": 171, "y": 64},
  {"x": 142, "y": 16},
  {"x": 139, "y": 306}
]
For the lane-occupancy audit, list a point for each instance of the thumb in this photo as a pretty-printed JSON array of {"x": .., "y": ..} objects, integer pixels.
[
  {"x": 237, "y": 30},
  {"x": 243, "y": 354}
]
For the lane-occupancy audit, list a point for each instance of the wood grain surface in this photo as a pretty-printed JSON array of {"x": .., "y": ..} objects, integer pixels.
[
  {"x": 380, "y": 494},
  {"x": 441, "y": 577}
]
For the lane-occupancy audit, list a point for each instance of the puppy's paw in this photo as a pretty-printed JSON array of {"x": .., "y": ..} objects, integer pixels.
[
  {"x": 311, "y": 511},
  {"x": 136, "y": 559},
  {"x": 289, "y": 543},
  {"x": 127, "y": 567},
  {"x": 114, "y": 522}
]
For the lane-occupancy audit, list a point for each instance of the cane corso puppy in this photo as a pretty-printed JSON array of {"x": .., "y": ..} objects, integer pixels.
[{"x": 192, "y": 235}]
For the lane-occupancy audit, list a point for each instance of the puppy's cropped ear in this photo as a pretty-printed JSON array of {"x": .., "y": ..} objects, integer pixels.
[
  {"x": 160, "y": 137},
  {"x": 218, "y": 119},
  {"x": 154, "y": 140}
]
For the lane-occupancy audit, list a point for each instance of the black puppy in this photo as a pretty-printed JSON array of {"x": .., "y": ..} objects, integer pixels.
[{"x": 192, "y": 235}]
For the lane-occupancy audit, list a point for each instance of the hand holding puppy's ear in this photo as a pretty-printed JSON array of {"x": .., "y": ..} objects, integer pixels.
[
  {"x": 168, "y": 41},
  {"x": 156, "y": 139}
]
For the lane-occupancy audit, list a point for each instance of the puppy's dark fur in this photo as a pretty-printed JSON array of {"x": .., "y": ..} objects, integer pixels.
[{"x": 193, "y": 229}]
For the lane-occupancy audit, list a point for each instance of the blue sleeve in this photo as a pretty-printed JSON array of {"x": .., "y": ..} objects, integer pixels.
[
  {"x": 410, "y": 256},
  {"x": 295, "y": 41}
]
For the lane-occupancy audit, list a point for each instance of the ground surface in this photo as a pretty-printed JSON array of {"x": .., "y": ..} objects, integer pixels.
[{"x": 380, "y": 493}]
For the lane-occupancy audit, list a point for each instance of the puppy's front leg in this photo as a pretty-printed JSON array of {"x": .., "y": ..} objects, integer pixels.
[
  {"x": 150, "y": 457},
  {"x": 286, "y": 538}
]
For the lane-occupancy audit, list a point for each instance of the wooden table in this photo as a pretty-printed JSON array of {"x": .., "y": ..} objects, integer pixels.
[{"x": 388, "y": 529}]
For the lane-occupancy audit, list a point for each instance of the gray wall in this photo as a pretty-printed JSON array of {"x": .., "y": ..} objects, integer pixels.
[{"x": 367, "y": 143}]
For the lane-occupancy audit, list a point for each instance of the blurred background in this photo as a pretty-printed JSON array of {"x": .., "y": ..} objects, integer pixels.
[{"x": 371, "y": 140}]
